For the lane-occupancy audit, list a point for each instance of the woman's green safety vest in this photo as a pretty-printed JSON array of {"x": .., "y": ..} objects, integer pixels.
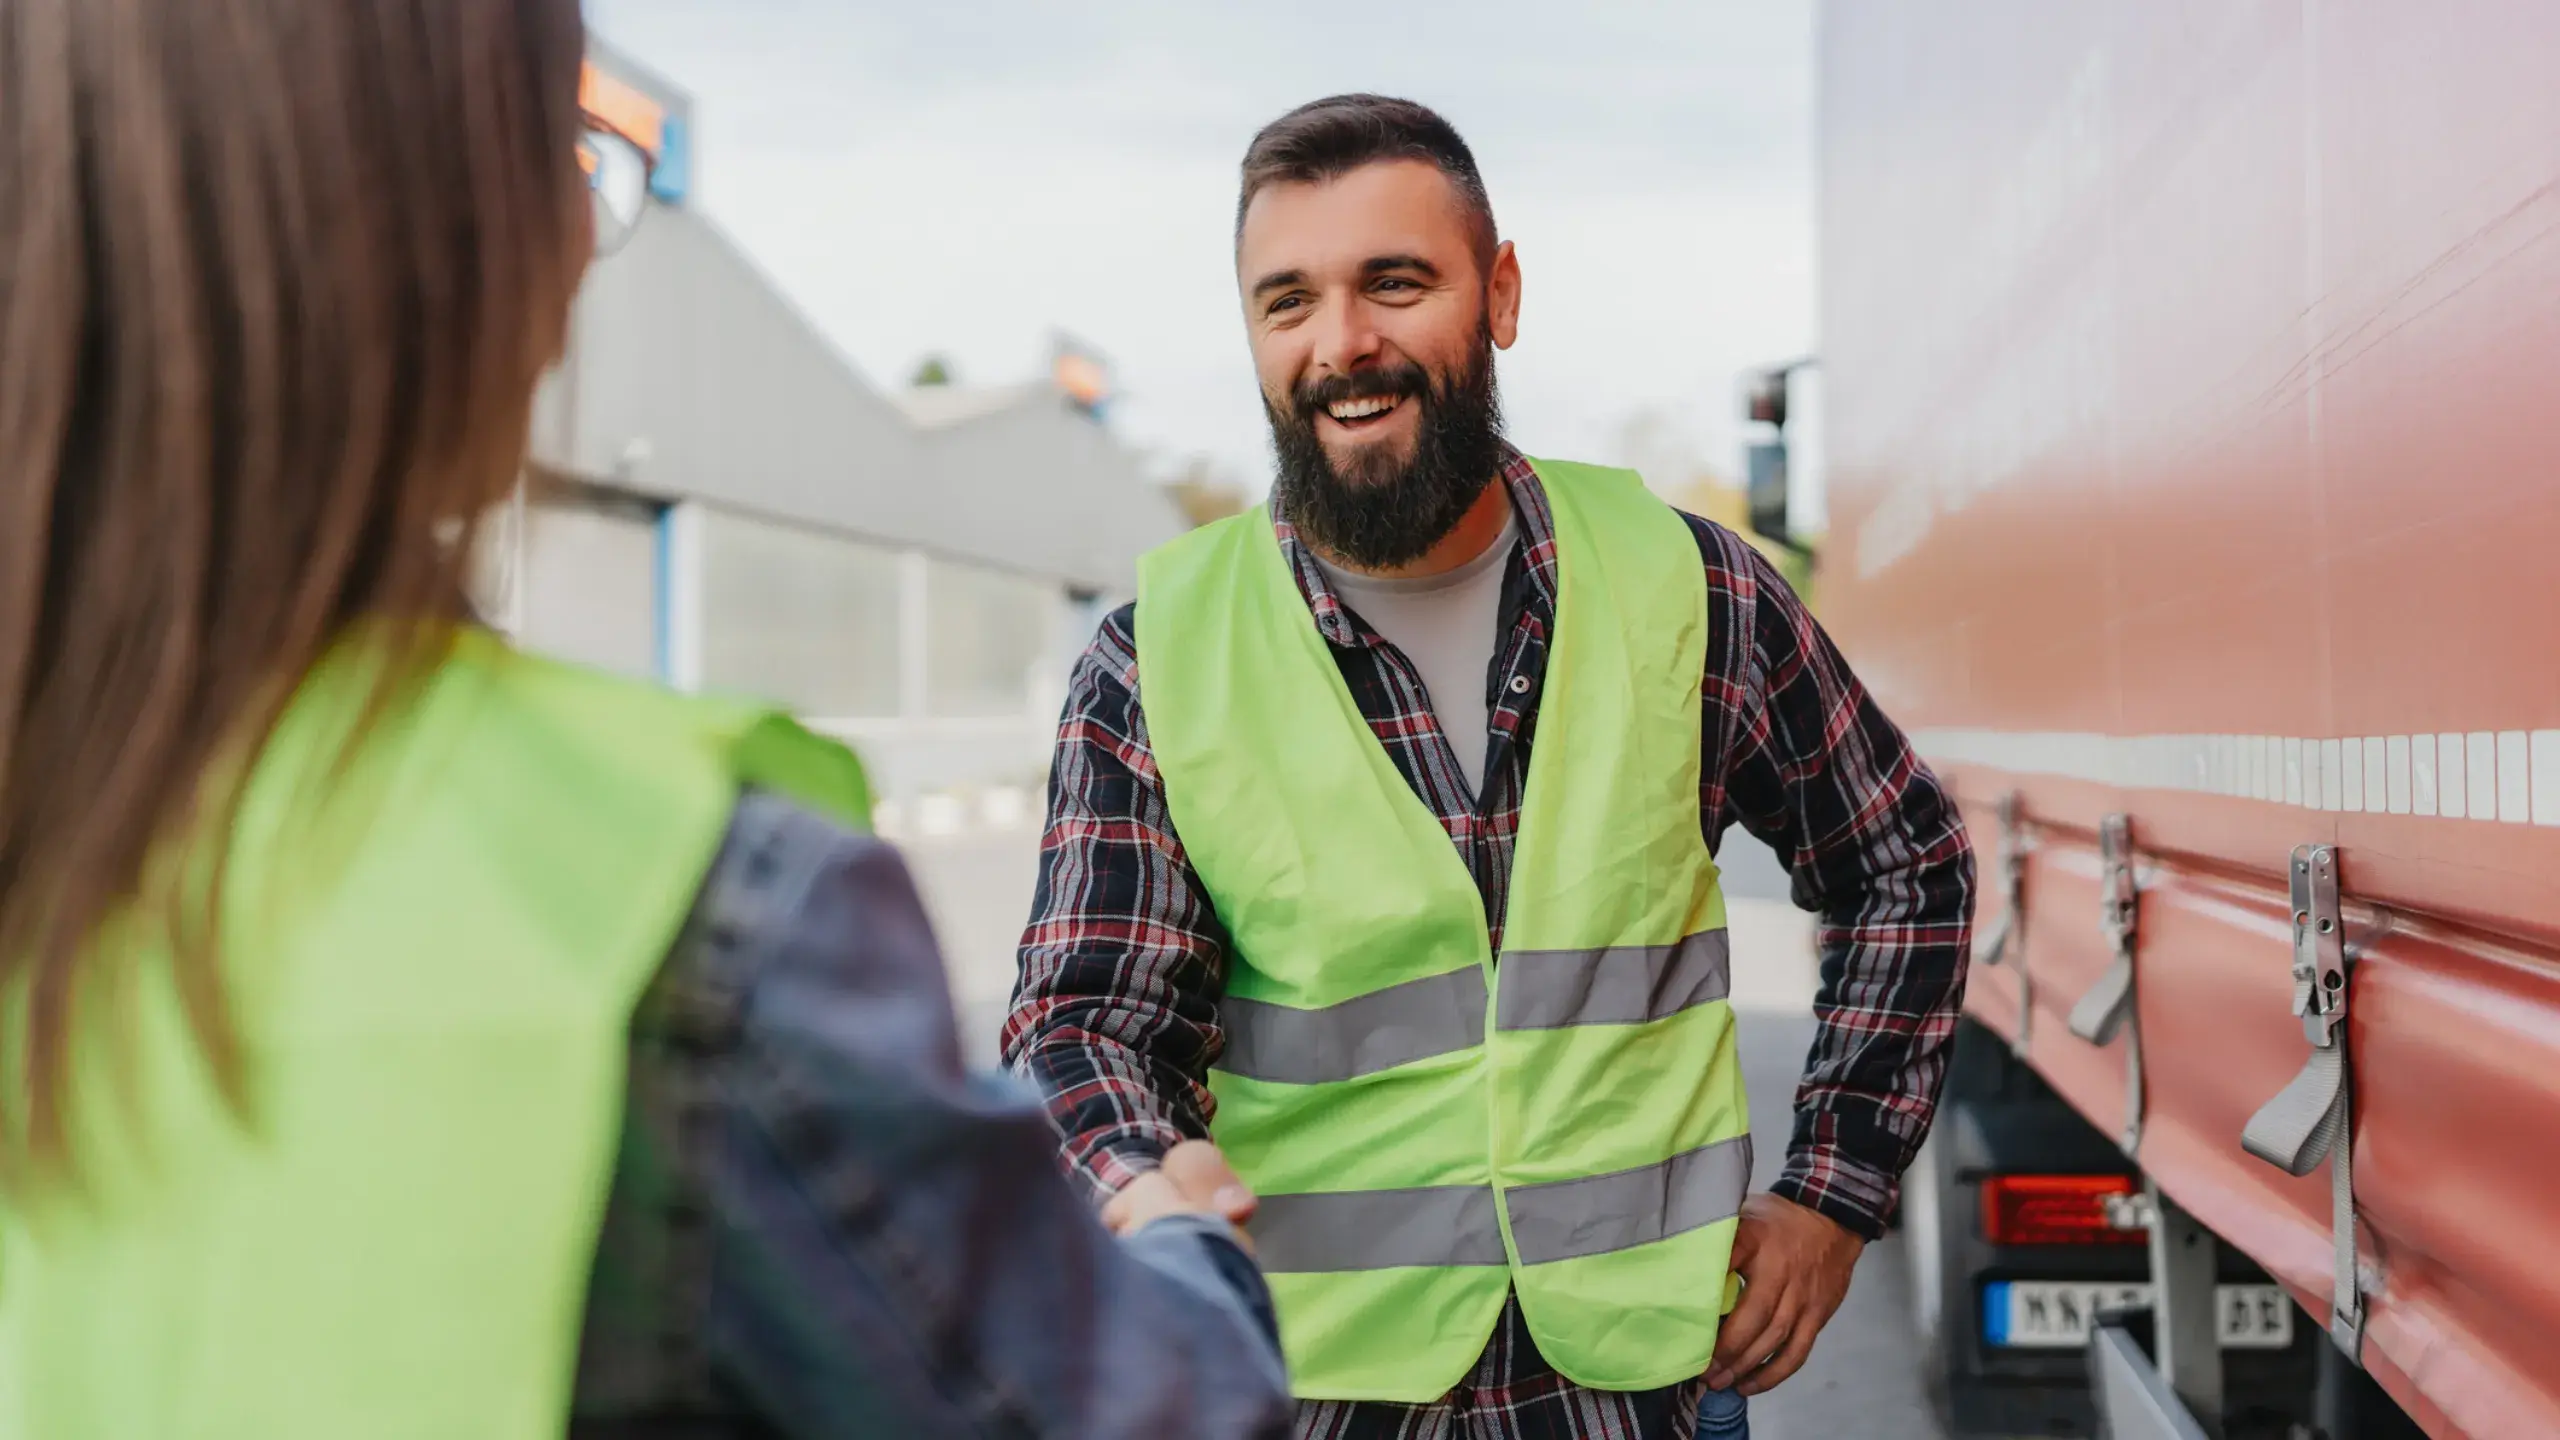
[
  {"x": 1429, "y": 1127},
  {"x": 434, "y": 984}
]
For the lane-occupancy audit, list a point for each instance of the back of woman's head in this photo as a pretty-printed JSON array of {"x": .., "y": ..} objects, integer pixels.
[{"x": 277, "y": 280}]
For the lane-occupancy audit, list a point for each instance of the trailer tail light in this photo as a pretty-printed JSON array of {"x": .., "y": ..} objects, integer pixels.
[{"x": 2063, "y": 1210}]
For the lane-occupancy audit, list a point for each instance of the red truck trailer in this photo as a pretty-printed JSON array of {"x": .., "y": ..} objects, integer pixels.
[{"x": 2194, "y": 480}]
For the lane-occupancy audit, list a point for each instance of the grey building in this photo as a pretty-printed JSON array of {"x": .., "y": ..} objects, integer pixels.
[{"x": 719, "y": 500}]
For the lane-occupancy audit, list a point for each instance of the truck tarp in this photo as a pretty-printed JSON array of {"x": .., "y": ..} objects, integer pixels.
[{"x": 2194, "y": 456}]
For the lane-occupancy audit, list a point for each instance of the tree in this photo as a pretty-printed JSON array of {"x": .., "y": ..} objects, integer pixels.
[
  {"x": 1204, "y": 495},
  {"x": 934, "y": 371},
  {"x": 1656, "y": 443}
]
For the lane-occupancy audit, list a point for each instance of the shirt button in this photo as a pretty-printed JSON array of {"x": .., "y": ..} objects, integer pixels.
[{"x": 1519, "y": 684}]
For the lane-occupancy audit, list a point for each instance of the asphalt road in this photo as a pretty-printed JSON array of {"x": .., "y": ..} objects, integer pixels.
[{"x": 1862, "y": 1382}]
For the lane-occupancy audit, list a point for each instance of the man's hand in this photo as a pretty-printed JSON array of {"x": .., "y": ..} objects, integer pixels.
[
  {"x": 1795, "y": 1266},
  {"x": 1195, "y": 1180}
]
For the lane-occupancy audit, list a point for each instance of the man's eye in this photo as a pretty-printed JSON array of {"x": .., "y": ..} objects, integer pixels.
[
  {"x": 1393, "y": 285},
  {"x": 1285, "y": 302}
]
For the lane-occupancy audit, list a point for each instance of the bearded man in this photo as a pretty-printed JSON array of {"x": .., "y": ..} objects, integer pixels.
[{"x": 1380, "y": 853}]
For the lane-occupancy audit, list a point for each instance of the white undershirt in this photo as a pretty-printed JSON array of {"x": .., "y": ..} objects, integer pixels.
[{"x": 1444, "y": 624}]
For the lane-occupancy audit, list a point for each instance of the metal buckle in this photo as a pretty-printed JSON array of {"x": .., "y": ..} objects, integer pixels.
[{"x": 2319, "y": 945}]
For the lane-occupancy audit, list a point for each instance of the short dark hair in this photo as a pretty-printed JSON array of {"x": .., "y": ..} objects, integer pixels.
[{"x": 1329, "y": 138}]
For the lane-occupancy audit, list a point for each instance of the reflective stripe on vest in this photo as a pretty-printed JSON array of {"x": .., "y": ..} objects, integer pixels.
[
  {"x": 1456, "y": 1224},
  {"x": 1547, "y": 989},
  {"x": 1432, "y": 1130}
]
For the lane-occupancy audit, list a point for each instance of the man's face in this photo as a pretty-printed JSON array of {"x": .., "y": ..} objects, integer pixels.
[{"x": 1373, "y": 330}]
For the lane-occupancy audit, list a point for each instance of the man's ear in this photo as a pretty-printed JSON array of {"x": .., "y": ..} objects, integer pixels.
[{"x": 1502, "y": 296}]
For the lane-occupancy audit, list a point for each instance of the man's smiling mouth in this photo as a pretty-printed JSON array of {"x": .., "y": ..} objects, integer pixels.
[{"x": 1364, "y": 411}]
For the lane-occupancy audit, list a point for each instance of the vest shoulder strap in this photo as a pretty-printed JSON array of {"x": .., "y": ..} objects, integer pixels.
[
  {"x": 1217, "y": 548},
  {"x": 763, "y": 745}
]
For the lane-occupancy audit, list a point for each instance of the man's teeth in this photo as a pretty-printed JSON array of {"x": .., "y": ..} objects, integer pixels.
[{"x": 1361, "y": 409}]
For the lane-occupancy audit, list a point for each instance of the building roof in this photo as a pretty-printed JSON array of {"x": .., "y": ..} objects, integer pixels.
[
  {"x": 690, "y": 375},
  {"x": 933, "y": 407}
]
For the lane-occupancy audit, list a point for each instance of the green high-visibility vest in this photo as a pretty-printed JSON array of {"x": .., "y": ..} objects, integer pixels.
[
  {"x": 434, "y": 985},
  {"x": 1429, "y": 1127}
]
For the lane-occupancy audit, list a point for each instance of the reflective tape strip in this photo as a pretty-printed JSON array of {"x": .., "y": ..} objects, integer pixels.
[
  {"x": 1439, "y": 1014},
  {"x": 1447, "y": 1225},
  {"x": 1568, "y": 1219},
  {"x": 1403, "y": 1023},
  {"x": 1377, "y": 1230},
  {"x": 1616, "y": 985},
  {"x": 2480, "y": 776}
]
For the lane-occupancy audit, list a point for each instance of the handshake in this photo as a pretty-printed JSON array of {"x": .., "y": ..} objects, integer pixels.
[{"x": 1194, "y": 1179}]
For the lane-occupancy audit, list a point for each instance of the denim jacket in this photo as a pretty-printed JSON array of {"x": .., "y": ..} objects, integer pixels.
[{"x": 821, "y": 1225}]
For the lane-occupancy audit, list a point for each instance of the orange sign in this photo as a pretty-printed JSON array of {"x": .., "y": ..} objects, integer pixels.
[
  {"x": 1082, "y": 379},
  {"x": 625, "y": 108}
]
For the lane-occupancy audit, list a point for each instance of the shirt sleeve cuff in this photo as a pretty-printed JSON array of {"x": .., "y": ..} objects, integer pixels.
[
  {"x": 1853, "y": 1195},
  {"x": 1107, "y": 1167}
]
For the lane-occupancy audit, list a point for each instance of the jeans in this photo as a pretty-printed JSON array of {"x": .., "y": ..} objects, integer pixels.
[{"x": 1724, "y": 1415}]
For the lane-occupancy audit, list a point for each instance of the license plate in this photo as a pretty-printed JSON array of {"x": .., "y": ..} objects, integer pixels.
[{"x": 2055, "y": 1314}]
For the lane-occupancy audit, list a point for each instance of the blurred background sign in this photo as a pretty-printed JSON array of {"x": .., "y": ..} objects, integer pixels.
[
  {"x": 1082, "y": 376},
  {"x": 653, "y": 113}
]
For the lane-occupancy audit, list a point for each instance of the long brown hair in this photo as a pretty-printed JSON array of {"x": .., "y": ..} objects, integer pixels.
[{"x": 277, "y": 280}]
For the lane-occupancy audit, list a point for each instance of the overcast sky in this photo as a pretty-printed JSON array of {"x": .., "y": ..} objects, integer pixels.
[{"x": 966, "y": 176}]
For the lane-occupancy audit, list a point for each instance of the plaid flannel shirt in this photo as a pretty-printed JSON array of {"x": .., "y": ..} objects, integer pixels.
[{"x": 1115, "y": 1011}]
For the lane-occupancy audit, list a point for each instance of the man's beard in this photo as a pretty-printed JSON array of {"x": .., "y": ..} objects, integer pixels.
[{"x": 1380, "y": 512}]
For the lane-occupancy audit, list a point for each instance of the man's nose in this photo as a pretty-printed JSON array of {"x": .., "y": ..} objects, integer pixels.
[{"x": 1345, "y": 338}]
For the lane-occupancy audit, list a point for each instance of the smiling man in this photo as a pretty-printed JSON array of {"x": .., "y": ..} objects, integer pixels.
[{"x": 1395, "y": 878}]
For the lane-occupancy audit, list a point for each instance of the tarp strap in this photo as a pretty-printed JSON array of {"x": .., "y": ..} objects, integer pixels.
[{"x": 2313, "y": 1118}]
